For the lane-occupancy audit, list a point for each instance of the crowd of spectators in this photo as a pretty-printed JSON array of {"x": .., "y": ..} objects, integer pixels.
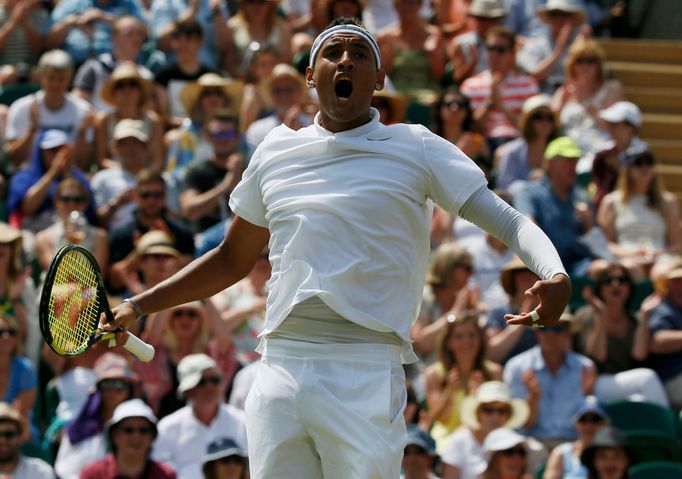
[{"x": 125, "y": 125}]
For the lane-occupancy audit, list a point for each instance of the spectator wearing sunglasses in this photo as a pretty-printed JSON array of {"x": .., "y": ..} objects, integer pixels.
[
  {"x": 84, "y": 440},
  {"x": 14, "y": 464},
  {"x": 224, "y": 459},
  {"x": 564, "y": 460},
  {"x": 209, "y": 181},
  {"x": 509, "y": 455},
  {"x": 130, "y": 433},
  {"x": 641, "y": 220},
  {"x": 185, "y": 435}
]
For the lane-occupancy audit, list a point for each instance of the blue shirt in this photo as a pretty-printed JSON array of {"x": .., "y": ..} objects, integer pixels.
[
  {"x": 79, "y": 45},
  {"x": 165, "y": 12},
  {"x": 556, "y": 218},
  {"x": 666, "y": 317},
  {"x": 561, "y": 396},
  {"x": 22, "y": 377}
]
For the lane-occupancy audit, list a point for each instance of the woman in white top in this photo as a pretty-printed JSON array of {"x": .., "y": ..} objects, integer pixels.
[{"x": 640, "y": 219}]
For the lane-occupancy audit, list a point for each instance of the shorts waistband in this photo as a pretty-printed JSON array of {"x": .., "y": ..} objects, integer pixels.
[{"x": 303, "y": 349}]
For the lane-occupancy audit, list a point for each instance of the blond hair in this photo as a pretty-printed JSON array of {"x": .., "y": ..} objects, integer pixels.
[
  {"x": 446, "y": 258},
  {"x": 584, "y": 48}
]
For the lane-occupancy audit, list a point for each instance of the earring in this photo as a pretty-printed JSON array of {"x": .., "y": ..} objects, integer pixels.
[
  {"x": 378, "y": 86},
  {"x": 311, "y": 84}
]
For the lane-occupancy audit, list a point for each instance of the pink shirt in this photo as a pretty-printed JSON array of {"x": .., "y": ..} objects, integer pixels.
[{"x": 107, "y": 469}]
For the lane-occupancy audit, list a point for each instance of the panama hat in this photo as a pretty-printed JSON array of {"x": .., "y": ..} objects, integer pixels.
[
  {"x": 126, "y": 71},
  {"x": 532, "y": 105},
  {"x": 156, "y": 242},
  {"x": 507, "y": 274},
  {"x": 574, "y": 7},
  {"x": 396, "y": 102},
  {"x": 281, "y": 70},
  {"x": 493, "y": 391},
  {"x": 234, "y": 89},
  {"x": 487, "y": 9},
  {"x": 13, "y": 236}
]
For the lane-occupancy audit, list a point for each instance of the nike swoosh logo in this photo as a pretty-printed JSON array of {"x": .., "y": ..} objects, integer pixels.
[{"x": 379, "y": 139}]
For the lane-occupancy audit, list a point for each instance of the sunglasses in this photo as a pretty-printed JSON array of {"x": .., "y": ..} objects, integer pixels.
[
  {"x": 126, "y": 84},
  {"x": 224, "y": 135},
  {"x": 497, "y": 49},
  {"x": 156, "y": 195},
  {"x": 145, "y": 431},
  {"x": 8, "y": 333},
  {"x": 281, "y": 90},
  {"x": 590, "y": 418},
  {"x": 113, "y": 384},
  {"x": 414, "y": 451},
  {"x": 559, "y": 14},
  {"x": 543, "y": 117},
  {"x": 159, "y": 256},
  {"x": 71, "y": 199},
  {"x": 187, "y": 313},
  {"x": 614, "y": 280},
  {"x": 643, "y": 161},
  {"x": 212, "y": 91},
  {"x": 514, "y": 451},
  {"x": 587, "y": 61},
  {"x": 502, "y": 411},
  {"x": 456, "y": 104},
  {"x": 214, "y": 380},
  {"x": 9, "y": 434}
]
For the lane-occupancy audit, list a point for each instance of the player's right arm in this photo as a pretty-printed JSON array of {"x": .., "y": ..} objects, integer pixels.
[{"x": 203, "y": 277}]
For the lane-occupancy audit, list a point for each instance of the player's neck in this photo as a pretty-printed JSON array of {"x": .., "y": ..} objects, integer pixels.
[{"x": 335, "y": 126}]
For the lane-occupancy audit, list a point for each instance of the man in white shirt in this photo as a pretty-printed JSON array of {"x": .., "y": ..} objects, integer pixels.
[
  {"x": 345, "y": 206},
  {"x": 13, "y": 464},
  {"x": 184, "y": 436}
]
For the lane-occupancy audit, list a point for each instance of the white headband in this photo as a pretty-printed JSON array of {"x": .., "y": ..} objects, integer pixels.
[{"x": 354, "y": 29}]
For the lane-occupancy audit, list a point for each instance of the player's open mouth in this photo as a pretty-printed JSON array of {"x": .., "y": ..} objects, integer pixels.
[{"x": 343, "y": 89}]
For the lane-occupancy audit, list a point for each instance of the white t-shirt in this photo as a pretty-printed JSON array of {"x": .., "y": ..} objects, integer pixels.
[
  {"x": 349, "y": 216},
  {"x": 107, "y": 185},
  {"x": 183, "y": 440},
  {"x": 32, "y": 468},
  {"x": 72, "y": 458},
  {"x": 488, "y": 262},
  {"x": 464, "y": 452},
  {"x": 68, "y": 118}
]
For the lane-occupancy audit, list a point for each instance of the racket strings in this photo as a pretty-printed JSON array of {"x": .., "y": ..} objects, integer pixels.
[{"x": 74, "y": 303}]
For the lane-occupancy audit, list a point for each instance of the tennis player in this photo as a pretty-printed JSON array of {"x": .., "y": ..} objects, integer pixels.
[{"x": 345, "y": 205}]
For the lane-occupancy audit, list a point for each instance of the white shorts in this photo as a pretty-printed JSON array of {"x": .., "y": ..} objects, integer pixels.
[{"x": 332, "y": 411}]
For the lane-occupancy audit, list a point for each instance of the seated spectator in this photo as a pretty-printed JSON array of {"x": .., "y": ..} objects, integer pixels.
[
  {"x": 130, "y": 432},
  {"x": 419, "y": 456},
  {"x": 461, "y": 369},
  {"x": 548, "y": 371},
  {"x": 50, "y": 108},
  {"x": 128, "y": 34},
  {"x": 497, "y": 94},
  {"x": 413, "y": 54},
  {"x": 543, "y": 56},
  {"x": 564, "y": 460},
  {"x": 257, "y": 21},
  {"x": 487, "y": 409},
  {"x": 186, "y": 40},
  {"x": 617, "y": 340},
  {"x": 510, "y": 455},
  {"x": 467, "y": 52},
  {"x": 202, "y": 100},
  {"x": 640, "y": 219},
  {"x": 114, "y": 187},
  {"x": 521, "y": 160},
  {"x": 32, "y": 191},
  {"x": 392, "y": 106},
  {"x": 184, "y": 436},
  {"x": 259, "y": 63},
  {"x": 609, "y": 456},
  {"x": 23, "y": 24},
  {"x": 128, "y": 93},
  {"x": 224, "y": 459},
  {"x": 14, "y": 464},
  {"x": 209, "y": 180},
  {"x": 19, "y": 382},
  {"x": 622, "y": 121},
  {"x": 175, "y": 334},
  {"x": 665, "y": 327},
  {"x": 69, "y": 228},
  {"x": 83, "y": 441},
  {"x": 151, "y": 213},
  {"x": 559, "y": 207},
  {"x": 506, "y": 341},
  {"x": 288, "y": 92},
  {"x": 586, "y": 90},
  {"x": 242, "y": 309},
  {"x": 83, "y": 28},
  {"x": 445, "y": 293}
]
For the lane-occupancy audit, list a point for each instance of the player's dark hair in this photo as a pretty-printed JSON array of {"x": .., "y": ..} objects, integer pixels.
[
  {"x": 332, "y": 3},
  {"x": 346, "y": 21}
]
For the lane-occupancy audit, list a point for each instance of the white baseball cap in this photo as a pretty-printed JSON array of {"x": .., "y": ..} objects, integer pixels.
[
  {"x": 128, "y": 128},
  {"x": 131, "y": 408},
  {"x": 190, "y": 369},
  {"x": 53, "y": 138},
  {"x": 622, "y": 111}
]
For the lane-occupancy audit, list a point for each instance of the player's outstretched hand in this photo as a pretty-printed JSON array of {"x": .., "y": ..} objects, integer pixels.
[{"x": 553, "y": 295}]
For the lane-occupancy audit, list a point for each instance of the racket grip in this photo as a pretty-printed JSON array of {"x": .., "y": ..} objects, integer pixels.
[{"x": 143, "y": 351}]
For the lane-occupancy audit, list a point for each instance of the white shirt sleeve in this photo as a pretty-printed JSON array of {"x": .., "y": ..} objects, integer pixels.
[
  {"x": 246, "y": 200},
  {"x": 17, "y": 120},
  {"x": 489, "y": 212}
]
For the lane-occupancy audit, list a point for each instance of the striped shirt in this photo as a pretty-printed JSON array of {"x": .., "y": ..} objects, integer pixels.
[
  {"x": 516, "y": 88},
  {"x": 17, "y": 48}
]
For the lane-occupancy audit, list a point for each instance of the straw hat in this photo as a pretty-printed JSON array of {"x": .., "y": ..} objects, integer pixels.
[
  {"x": 156, "y": 242},
  {"x": 396, "y": 102},
  {"x": 487, "y": 9},
  {"x": 234, "y": 89},
  {"x": 507, "y": 274},
  {"x": 281, "y": 70},
  {"x": 126, "y": 71},
  {"x": 12, "y": 235},
  {"x": 9, "y": 413},
  {"x": 493, "y": 391},
  {"x": 531, "y": 105},
  {"x": 574, "y": 7}
]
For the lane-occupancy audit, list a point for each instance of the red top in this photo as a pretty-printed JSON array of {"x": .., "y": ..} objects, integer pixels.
[{"x": 107, "y": 469}]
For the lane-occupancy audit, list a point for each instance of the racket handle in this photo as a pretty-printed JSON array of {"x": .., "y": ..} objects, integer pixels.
[{"x": 143, "y": 351}]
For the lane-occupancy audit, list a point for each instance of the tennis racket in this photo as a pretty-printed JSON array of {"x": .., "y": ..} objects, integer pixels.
[{"x": 72, "y": 301}]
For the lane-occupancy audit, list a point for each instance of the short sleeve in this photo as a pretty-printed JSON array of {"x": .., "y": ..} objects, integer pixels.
[
  {"x": 246, "y": 200},
  {"x": 453, "y": 176},
  {"x": 163, "y": 14},
  {"x": 26, "y": 375},
  {"x": 17, "y": 120}
]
